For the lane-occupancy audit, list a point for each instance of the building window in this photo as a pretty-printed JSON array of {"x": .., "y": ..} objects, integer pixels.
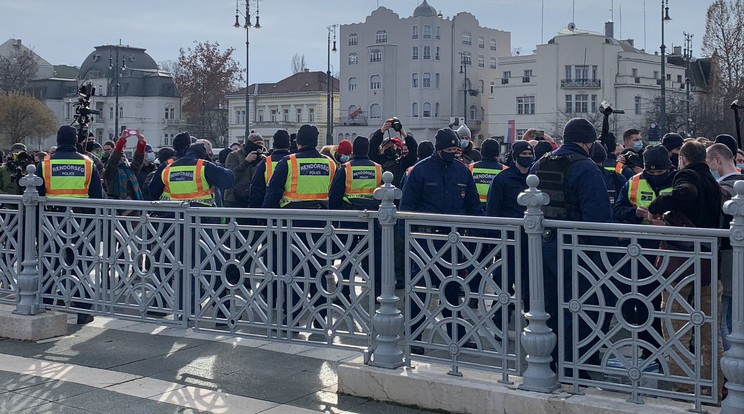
[
  {"x": 353, "y": 39},
  {"x": 311, "y": 115},
  {"x": 482, "y": 114},
  {"x": 353, "y": 111},
  {"x": 273, "y": 115},
  {"x": 593, "y": 108},
  {"x": 436, "y": 110},
  {"x": 260, "y": 116},
  {"x": 121, "y": 111},
  {"x": 414, "y": 110},
  {"x": 427, "y": 110},
  {"x": 481, "y": 61},
  {"x": 381, "y": 36},
  {"x": 656, "y": 74},
  {"x": 569, "y": 104},
  {"x": 111, "y": 112},
  {"x": 426, "y": 80},
  {"x": 482, "y": 85},
  {"x": 438, "y": 30},
  {"x": 286, "y": 115},
  {"x": 582, "y": 72},
  {"x": 436, "y": 53},
  {"x": 679, "y": 78},
  {"x": 414, "y": 32},
  {"x": 466, "y": 59},
  {"x": 594, "y": 72},
  {"x": 467, "y": 38},
  {"x": 505, "y": 77},
  {"x": 492, "y": 86},
  {"x": 436, "y": 80},
  {"x": 240, "y": 116},
  {"x": 352, "y": 84},
  {"x": 568, "y": 73},
  {"x": 638, "y": 105},
  {"x": 526, "y": 105},
  {"x": 581, "y": 103},
  {"x": 299, "y": 115},
  {"x": 493, "y": 43},
  {"x": 375, "y": 55},
  {"x": 375, "y": 112},
  {"x": 353, "y": 58},
  {"x": 527, "y": 76},
  {"x": 634, "y": 72},
  {"x": 473, "y": 112},
  {"x": 414, "y": 80},
  {"x": 427, "y": 31},
  {"x": 492, "y": 63},
  {"x": 375, "y": 82},
  {"x": 481, "y": 42},
  {"x": 414, "y": 52},
  {"x": 427, "y": 52}
]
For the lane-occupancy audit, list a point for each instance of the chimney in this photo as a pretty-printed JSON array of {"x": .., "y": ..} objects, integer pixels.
[
  {"x": 307, "y": 70},
  {"x": 677, "y": 50},
  {"x": 609, "y": 29}
]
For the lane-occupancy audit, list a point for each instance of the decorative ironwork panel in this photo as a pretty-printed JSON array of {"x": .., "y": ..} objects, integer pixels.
[
  {"x": 462, "y": 289},
  {"x": 637, "y": 314},
  {"x": 11, "y": 245},
  {"x": 258, "y": 274}
]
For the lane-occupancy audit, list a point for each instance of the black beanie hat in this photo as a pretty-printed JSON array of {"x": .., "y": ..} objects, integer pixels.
[
  {"x": 425, "y": 149},
  {"x": 600, "y": 153},
  {"x": 281, "y": 139},
  {"x": 520, "y": 146},
  {"x": 490, "y": 148},
  {"x": 672, "y": 141},
  {"x": 656, "y": 157},
  {"x": 308, "y": 135},
  {"x": 728, "y": 141},
  {"x": 66, "y": 136},
  {"x": 579, "y": 130},
  {"x": 361, "y": 145},
  {"x": 445, "y": 138},
  {"x": 199, "y": 149},
  {"x": 542, "y": 148},
  {"x": 165, "y": 153},
  {"x": 181, "y": 142}
]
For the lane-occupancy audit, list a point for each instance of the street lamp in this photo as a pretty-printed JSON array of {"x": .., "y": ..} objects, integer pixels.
[
  {"x": 464, "y": 62},
  {"x": 114, "y": 64},
  {"x": 664, "y": 18},
  {"x": 688, "y": 58},
  {"x": 329, "y": 97},
  {"x": 247, "y": 25}
]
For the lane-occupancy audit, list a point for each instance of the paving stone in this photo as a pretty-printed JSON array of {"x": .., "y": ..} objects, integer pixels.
[
  {"x": 12, "y": 402},
  {"x": 103, "y": 401},
  {"x": 55, "y": 390}
]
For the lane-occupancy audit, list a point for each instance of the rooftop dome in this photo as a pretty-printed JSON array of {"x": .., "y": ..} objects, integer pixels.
[
  {"x": 424, "y": 10},
  {"x": 96, "y": 65}
]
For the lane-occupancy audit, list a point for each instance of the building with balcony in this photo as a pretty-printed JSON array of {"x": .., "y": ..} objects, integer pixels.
[
  {"x": 571, "y": 75},
  {"x": 425, "y": 69},
  {"x": 288, "y": 104}
]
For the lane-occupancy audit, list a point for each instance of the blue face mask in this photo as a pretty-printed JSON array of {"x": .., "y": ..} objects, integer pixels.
[
  {"x": 525, "y": 162},
  {"x": 344, "y": 158},
  {"x": 740, "y": 166},
  {"x": 150, "y": 157},
  {"x": 715, "y": 174},
  {"x": 637, "y": 146},
  {"x": 464, "y": 143},
  {"x": 447, "y": 157}
]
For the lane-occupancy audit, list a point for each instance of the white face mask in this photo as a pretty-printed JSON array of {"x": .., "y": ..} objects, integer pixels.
[{"x": 150, "y": 157}]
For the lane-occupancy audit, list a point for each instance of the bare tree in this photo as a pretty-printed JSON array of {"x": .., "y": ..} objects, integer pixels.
[
  {"x": 298, "y": 63},
  {"x": 16, "y": 70},
  {"x": 555, "y": 127},
  {"x": 24, "y": 118}
]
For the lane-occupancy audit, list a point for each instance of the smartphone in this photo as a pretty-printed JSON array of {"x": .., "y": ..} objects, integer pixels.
[
  {"x": 538, "y": 134},
  {"x": 132, "y": 132}
]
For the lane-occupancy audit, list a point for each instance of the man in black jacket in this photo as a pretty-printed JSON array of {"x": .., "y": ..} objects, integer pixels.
[{"x": 394, "y": 155}]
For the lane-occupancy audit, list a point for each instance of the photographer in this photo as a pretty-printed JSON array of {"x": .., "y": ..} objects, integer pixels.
[
  {"x": 120, "y": 176},
  {"x": 243, "y": 163},
  {"x": 13, "y": 169},
  {"x": 387, "y": 149}
]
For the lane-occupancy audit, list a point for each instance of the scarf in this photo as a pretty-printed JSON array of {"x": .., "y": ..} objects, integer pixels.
[{"x": 126, "y": 174}]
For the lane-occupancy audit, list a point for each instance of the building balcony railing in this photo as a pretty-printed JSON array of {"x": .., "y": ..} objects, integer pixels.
[
  {"x": 581, "y": 83},
  {"x": 171, "y": 121},
  {"x": 359, "y": 120}
]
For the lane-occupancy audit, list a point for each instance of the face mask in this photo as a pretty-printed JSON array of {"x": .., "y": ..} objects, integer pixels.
[
  {"x": 150, "y": 157},
  {"x": 464, "y": 143},
  {"x": 525, "y": 162},
  {"x": 675, "y": 160},
  {"x": 344, "y": 157},
  {"x": 107, "y": 153},
  {"x": 657, "y": 180},
  {"x": 637, "y": 146},
  {"x": 98, "y": 154},
  {"x": 740, "y": 166},
  {"x": 447, "y": 157},
  {"x": 715, "y": 174},
  {"x": 392, "y": 152}
]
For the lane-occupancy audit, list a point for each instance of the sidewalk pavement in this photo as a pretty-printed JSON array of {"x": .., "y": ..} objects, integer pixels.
[{"x": 119, "y": 366}]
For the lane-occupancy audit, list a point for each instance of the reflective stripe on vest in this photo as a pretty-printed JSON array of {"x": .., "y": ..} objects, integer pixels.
[
  {"x": 640, "y": 192},
  {"x": 308, "y": 179},
  {"x": 361, "y": 180},
  {"x": 67, "y": 177},
  {"x": 483, "y": 178},
  {"x": 187, "y": 182},
  {"x": 619, "y": 167},
  {"x": 270, "y": 165}
]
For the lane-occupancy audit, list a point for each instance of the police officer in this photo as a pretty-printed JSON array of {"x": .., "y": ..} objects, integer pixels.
[
  {"x": 613, "y": 180},
  {"x": 266, "y": 167},
  {"x": 486, "y": 169},
  {"x": 577, "y": 192},
  {"x": 631, "y": 205},
  {"x": 440, "y": 185},
  {"x": 67, "y": 173}
]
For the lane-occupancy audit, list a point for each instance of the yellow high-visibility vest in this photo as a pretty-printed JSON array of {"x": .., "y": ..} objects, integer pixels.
[
  {"x": 308, "y": 179},
  {"x": 361, "y": 181},
  {"x": 67, "y": 177}
]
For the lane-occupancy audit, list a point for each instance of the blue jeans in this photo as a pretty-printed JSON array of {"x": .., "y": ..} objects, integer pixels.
[{"x": 725, "y": 321}]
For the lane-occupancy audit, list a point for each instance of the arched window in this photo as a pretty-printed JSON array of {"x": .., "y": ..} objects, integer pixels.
[
  {"x": 414, "y": 52},
  {"x": 414, "y": 32},
  {"x": 375, "y": 55},
  {"x": 375, "y": 111},
  {"x": 353, "y": 39},
  {"x": 426, "y": 80},
  {"x": 482, "y": 86},
  {"x": 375, "y": 82},
  {"x": 414, "y": 110},
  {"x": 473, "y": 112},
  {"x": 436, "y": 110},
  {"x": 352, "y": 84},
  {"x": 340, "y": 136},
  {"x": 353, "y": 58},
  {"x": 414, "y": 80},
  {"x": 427, "y": 110},
  {"x": 381, "y": 36},
  {"x": 352, "y": 110},
  {"x": 427, "y": 31}
]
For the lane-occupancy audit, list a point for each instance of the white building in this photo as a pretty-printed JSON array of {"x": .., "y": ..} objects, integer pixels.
[
  {"x": 411, "y": 68},
  {"x": 571, "y": 75}
]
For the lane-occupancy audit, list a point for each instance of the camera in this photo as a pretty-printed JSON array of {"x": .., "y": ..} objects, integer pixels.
[
  {"x": 395, "y": 124},
  {"x": 606, "y": 109},
  {"x": 538, "y": 134}
]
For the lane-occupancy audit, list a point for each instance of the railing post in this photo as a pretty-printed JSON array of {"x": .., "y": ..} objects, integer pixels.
[
  {"x": 732, "y": 362},
  {"x": 537, "y": 338},
  {"x": 28, "y": 278},
  {"x": 388, "y": 321}
]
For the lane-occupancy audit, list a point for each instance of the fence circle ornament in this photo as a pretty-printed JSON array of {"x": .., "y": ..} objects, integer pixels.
[
  {"x": 530, "y": 223},
  {"x": 697, "y": 318},
  {"x": 634, "y": 373},
  {"x": 453, "y": 237},
  {"x": 328, "y": 231},
  {"x": 454, "y": 349},
  {"x": 738, "y": 235},
  {"x": 634, "y": 250},
  {"x": 574, "y": 306},
  {"x": 504, "y": 298}
]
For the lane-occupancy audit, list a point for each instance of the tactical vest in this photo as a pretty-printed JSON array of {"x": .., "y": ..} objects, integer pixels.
[
  {"x": 67, "y": 177},
  {"x": 361, "y": 181},
  {"x": 185, "y": 180},
  {"x": 308, "y": 179},
  {"x": 640, "y": 193},
  {"x": 553, "y": 170},
  {"x": 483, "y": 178}
]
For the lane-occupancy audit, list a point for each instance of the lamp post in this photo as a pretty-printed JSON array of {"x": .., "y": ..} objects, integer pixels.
[
  {"x": 688, "y": 58},
  {"x": 664, "y": 18},
  {"x": 247, "y": 26},
  {"x": 114, "y": 64},
  {"x": 464, "y": 70},
  {"x": 329, "y": 97}
]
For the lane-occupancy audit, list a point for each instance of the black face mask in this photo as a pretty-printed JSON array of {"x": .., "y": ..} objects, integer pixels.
[
  {"x": 657, "y": 180},
  {"x": 392, "y": 152},
  {"x": 674, "y": 158}
]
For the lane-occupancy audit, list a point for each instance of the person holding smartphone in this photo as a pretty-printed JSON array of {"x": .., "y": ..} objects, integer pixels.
[{"x": 119, "y": 175}]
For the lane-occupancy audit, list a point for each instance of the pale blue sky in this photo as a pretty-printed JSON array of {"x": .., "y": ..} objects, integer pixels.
[{"x": 65, "y": 35}]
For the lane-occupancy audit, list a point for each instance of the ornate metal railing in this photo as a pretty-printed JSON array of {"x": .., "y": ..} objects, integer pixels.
[{"x": 11, "y": 246}]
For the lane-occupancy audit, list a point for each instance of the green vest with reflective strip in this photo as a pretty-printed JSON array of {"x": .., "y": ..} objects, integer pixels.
[
  {"x": 184, "y": 180},
  {"x": 361, "y": 181},
  {"x": 67, "y": 177},
  {"x": 269, "y": 170},
  {"x": 640, "y": 192},
  {"x": 308, "y": 179},
  {"x": 483, "y": 178}
]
